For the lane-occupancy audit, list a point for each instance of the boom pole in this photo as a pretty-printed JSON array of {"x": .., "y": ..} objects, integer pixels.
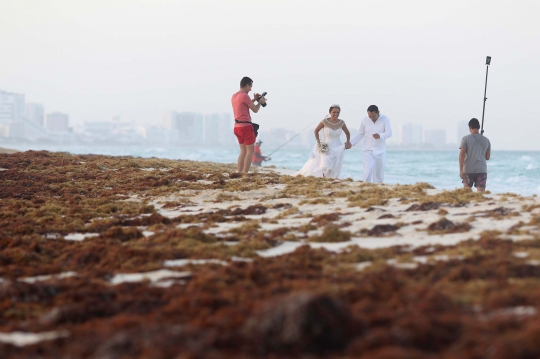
[{"x": 488, "y": 61}]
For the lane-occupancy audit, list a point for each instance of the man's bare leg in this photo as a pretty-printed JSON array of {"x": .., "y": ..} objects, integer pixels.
[
  {"x": 242, "y": 157},
  {"x": 480, "y": 189},
  {"x": 248, "y": 156}
]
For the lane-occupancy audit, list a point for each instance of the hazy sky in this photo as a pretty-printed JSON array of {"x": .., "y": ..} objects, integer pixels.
[{"x": 420, "y": 61}]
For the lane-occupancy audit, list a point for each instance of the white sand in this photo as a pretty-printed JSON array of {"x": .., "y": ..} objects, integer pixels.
[
  {"x": 153, "y": 277},
  {"x": 80, "y": 236},
  {"x": 413, "y": 224},
  {"x": 183, "y": 262},
  {"x": 283, "y": 171},
  {"x": 41, "y": 278},
  {"x": 21, "y": 339}
]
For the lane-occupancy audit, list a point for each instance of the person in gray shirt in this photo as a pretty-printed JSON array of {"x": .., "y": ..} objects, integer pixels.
[{"x": 475, "y": 150}]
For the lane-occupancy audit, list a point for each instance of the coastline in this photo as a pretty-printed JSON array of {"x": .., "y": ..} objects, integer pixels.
[
  {"x": 7, "y": 150},
  {"x": 508, "y": 171},
  {"x": 170, "y": 243}
]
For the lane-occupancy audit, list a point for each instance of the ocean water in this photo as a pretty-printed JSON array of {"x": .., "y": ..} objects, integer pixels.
[{"x": 508, "y": 171}]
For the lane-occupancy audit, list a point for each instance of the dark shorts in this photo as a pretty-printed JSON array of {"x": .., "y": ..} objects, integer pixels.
[
  {"x": 245, "y": 135},
  {"x": 478, "y": 179}
]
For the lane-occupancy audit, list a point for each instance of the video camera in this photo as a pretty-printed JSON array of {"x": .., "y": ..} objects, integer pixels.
[{"x": 259, "y": 97}]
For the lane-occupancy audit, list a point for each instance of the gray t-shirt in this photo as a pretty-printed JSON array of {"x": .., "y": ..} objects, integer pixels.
[{"x": 476, "y": 146}]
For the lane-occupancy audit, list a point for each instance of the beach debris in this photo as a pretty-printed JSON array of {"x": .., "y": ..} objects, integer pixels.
[
  {"x": 251, "y": 210},
  {"x": 426, "y": 206},
  {"x": 250, "y": 243},
  {"x": 331, "y": 233},
  {"x": 324, "y": 219},
  {"x": 499, "y": 212},
  {"x": 446, "y": 226},
  {"x": 183, "y": 262},
  {"x": 282, "y": 206},
  {"x": 301, "y": 322},
  {"x": 380, "y": 229},
  {"x": 122, "y": 234}
]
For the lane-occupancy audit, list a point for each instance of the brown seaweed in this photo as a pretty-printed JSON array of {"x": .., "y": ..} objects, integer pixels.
[
  {"x": 481, "y": 300},
  {"x": 446, "y": 226}
]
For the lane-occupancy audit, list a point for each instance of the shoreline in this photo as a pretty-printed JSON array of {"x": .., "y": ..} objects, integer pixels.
[
  {"x": 8, "y": 150},
  {"x": 510, "y": 172}
]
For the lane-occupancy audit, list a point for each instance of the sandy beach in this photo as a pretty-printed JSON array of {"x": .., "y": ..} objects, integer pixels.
[
  {"x": 7, "y": 150},
  {"x": 116, "y": 257}
]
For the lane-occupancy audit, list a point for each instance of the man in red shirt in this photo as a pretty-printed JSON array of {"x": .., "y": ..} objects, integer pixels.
[
  {"x": 257, "y": 155},
  {"x": 243, "y": 129}
]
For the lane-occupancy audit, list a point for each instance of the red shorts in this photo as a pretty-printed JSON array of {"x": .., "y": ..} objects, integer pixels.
[{"x": 245, "y": 135}]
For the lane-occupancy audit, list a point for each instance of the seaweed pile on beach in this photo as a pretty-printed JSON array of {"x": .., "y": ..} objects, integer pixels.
[{"x": 121, "y": 257}]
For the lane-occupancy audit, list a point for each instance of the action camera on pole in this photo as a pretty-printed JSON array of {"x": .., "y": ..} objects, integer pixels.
[{"x": 488, "y": 61}]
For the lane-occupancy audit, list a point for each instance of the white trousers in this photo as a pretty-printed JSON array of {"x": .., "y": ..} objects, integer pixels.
[{"x": 373, "y": 166}]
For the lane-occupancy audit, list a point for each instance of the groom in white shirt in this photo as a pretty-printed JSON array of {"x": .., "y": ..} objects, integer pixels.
[{"x": 375, "y": 128}]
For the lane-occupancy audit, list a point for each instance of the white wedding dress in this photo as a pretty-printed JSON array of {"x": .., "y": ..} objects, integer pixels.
[{"x": 327, "y": 164}]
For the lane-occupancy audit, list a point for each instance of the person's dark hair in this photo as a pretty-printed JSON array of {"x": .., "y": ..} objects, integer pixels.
[
  {"x": 245, "y": 81},
  {"x": 474, "y": 124},
  {"x": 373, "y": 108},
  {"x": 333, "y": 107}
]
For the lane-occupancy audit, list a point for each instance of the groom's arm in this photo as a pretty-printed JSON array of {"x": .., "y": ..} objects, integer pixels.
[
  {"x": 360, "y": 135},
  {"x": 387, "y": 130}
]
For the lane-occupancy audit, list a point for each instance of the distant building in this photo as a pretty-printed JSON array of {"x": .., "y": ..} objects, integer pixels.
[
  {"x": 411, "y": 134},
  {"x": 11, "y": 107},
  {"x": 20, "y": 120},
  {"x": 98, "y": 130},
  {"x": 113, "y": 132},
  {"x": 274, "y": 137},
  {"x": 11, "y": 114},
  {"x": 169, "y": 120},
  {"x": 34, "y": 131},
  {"x": 27, "y": 121},
  {"x": 462, "y": 130},
  {"x": 191, "y": 128},
  {"x": 35, "y": 113},
  {"x": 26, "y": 130},
  {"x": 436, "y": 138},
  {"x": 218, "y": 129},
  {"x": 212, "y": 124},
  {"x": 57, "y": 122},
  {"x": 126, "y": 131},
  {"x": 187, "y": 127},
  {"x": 406, "y": 133},
  {"x": 308, "y": 138},
  {"x": 17, "y": 130},
  {"x": 159, "y": 136},
  {"x": 4, "y": 130},
  {"x": 122, "y": 127}
]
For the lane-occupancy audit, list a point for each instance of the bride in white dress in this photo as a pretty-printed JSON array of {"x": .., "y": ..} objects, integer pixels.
[{"x": 329, "y": 163}]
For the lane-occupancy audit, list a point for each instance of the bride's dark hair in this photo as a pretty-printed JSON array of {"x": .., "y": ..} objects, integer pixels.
[{"x": 333, "y": 107}]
